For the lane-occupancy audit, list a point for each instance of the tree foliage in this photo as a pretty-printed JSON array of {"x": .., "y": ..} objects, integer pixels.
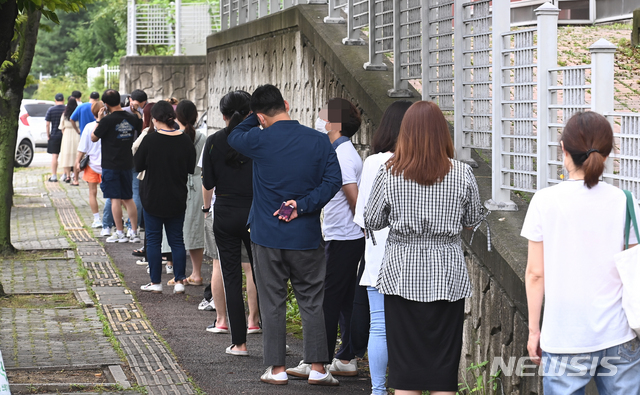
[{"x": 19, "y": 25}]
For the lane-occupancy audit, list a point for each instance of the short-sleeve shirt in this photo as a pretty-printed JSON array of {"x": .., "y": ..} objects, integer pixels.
[
  {"x": 582, "y": 229},
  {"x": 117, "y": 131},
  {"x": 94, "y": 150},
  {"x": 82, "y": 115},
  {"x": 338, "y": 222},
  {"x": 54, "y": 114}
]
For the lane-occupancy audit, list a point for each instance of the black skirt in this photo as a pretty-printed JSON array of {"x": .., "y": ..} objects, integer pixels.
[{"x": 424, "y": 342}]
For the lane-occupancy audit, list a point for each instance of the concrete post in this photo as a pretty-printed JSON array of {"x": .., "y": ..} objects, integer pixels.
[
  {"x": 132, "y": 49},
  {"x": 400, "y": 86},
  {"x": 334, "y": 14},
  {"x": 463, "y": 154},
  {"x": 547, "y": 15},
  {"x": 500, "y": 197},
  {"x": 178, "y": 27},
  {"x": 353, "y": 35},
  {"x": 375, "y": 59},
  {"x": 602, "y": 73}
]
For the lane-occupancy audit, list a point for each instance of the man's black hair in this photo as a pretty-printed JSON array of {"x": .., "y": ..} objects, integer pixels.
[
  {"x": 138, "y": 95},
  {"x": 267, "y": 99},
  {"x": 344, "y": 112},
  {"x": 111, "y": 97},
  {"x": 76, "y": 94},
  {"x": 94, "y": 95}
]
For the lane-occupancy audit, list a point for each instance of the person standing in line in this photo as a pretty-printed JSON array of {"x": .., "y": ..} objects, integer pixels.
[
  {"x": 574, "y": 230},
  {"x": 137, "y": 102},
  {"x": 93, "y": 172},
  {"x": 230, "y": 173},
  {"x": 383, "y": 146},
  {"x": 167, "y": 156},
  {"x": 77, "y": 95},
  {"x": 294, "y": 165},
  {"x": 425, "y": 198},
  {"x": 344, "y": 240},
  {"x": 69, "y": 144},
  {"x": 193, "y": 230},
  {"x": 83, "y": 114},
  {"x": 54, "y": 135},
  {"x": 116, "y": 130}
]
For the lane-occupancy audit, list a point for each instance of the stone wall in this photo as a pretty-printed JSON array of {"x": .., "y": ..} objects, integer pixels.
[
  {"x": 298, "y": 54},
  {"x": 162, "y": 77}
]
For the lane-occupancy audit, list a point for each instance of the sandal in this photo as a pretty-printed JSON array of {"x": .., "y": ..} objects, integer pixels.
[
  {"x": 172, "y": 282},
  {"x": 138, "y": 252},
  {"x": 190, "y": 281}
]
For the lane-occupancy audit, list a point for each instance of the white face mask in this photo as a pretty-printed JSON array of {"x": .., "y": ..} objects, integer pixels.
[{"x": 320, "y": 126}]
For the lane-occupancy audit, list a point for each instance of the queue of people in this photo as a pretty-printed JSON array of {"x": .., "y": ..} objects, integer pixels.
[{"x": 251, "y": 196}]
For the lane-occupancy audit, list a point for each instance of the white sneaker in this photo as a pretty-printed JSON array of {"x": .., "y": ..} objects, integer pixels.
[
  {"x": 117, "y": 238},
  {"x": 154, "y": 288},
  {"x": 148, "y": 269},
  {"x": 134, "y": 237},
  {"x": 178, "y": 288},
  {"x": 169, "y": 269},
  {"x": 106, "y": 232},
  {"x": 142, "y": 262},
  {"x": 317, "y": 378},
  {"x": 205, "y": 305},
  {"x": 302, "y": 370},
  {"x": 278, "y": 379},
  {"x": 338, "y": 368},
  {"x": 97, "y": 223}
]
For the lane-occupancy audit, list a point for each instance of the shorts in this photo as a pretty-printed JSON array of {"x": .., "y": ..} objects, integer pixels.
[
  {"x": 91, "y": 176},
  {"x": 210, "y": 248},
  {"x": 117, "y": 184},
  {"x": 53, "y": 145}
]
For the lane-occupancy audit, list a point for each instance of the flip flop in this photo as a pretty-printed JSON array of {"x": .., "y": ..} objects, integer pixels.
[{"x": 192, "y": 282}]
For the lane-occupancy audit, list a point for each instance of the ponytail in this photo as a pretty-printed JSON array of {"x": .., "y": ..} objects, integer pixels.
[
  {"x": 588, "y": 138},
  {"x": 235, "y": 106},
  {"x": 187, "y": 115}
]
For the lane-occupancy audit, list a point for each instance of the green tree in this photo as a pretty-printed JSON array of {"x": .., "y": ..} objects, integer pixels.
[{"x": 19, "y": 25}]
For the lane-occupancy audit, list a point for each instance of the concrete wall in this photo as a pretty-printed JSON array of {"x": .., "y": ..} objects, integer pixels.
[
  {"x": 161, "y": 77},
  {"x": 302, "y": 56}
]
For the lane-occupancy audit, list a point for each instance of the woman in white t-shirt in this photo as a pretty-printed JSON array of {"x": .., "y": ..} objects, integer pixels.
[
  {"x": 383, "y": 146},
  {"x": 574, "y": 230}
]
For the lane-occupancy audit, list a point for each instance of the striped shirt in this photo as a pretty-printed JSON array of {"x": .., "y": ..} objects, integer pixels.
[
  {"x": 423, "y": 259},
  {"x": 54, "y": 115}
]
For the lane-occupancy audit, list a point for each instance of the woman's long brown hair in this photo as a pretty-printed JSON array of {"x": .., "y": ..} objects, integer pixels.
[{"x": 424, "y": 146}]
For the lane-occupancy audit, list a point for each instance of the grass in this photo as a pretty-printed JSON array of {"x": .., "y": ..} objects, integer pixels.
[
  {"x": 39, "y": 301},
  {"x": 294, "y": 322}
]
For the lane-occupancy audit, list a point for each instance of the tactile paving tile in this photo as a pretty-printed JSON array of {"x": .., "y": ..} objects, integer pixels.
[
  {"x": 102, "y": 274},
  {"x": 126, "y": 320}
]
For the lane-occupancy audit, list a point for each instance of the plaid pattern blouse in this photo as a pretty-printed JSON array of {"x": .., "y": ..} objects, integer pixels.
[{"x": 423, "y": 259}]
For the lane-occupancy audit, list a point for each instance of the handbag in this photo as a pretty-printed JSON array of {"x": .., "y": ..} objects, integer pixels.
[
  {"x": 628, "y": 265},
  {"x": 84, "y": 162}
]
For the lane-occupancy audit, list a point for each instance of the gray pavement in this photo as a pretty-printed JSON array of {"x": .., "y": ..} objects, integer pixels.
[{"x": 162, "y": 336}]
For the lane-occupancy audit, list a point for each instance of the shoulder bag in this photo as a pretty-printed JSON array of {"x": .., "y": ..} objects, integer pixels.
[
  {"x": 84, "y": 162},
  {"x": 628, "y": 265}
]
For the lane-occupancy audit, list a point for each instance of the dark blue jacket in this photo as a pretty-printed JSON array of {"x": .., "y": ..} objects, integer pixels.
[{"x": 290, "y": 161}]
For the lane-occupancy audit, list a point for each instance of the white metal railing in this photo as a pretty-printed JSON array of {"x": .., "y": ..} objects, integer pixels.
[
  {"x": 111, "y": 75},
  {"x": 437, "y": 69}
]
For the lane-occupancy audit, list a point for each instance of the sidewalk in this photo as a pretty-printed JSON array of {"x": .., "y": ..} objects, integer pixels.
[{"x": 157, "y": 341}]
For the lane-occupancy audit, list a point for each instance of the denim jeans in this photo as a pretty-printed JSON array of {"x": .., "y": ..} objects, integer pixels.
[
  {"x": 173, "y": 228},
  {"x": 616, "y": 370},
  {"x": 107, "y": 215},
  {"x": 378, "y": 356},
  {"x": 135, "y": 185}
]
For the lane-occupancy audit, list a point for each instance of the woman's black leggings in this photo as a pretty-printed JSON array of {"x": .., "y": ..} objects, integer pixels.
[{"x": 230, "y": 230}]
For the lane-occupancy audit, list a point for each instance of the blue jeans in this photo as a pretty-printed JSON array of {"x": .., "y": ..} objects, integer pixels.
[
  {"x": 378, "y": 357},
  {"x": 173, "y": 228},
  {"x": 135, "y": 185},
  {"x": 616, "y": 370},
  {"x": 107, "y": 215}
]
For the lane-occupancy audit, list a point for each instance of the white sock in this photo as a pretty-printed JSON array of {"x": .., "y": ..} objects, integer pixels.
[
  {"x": 120, "y": 233},
  {"x": 315, "y": 375},
  {"x": 96, "y": 216}
]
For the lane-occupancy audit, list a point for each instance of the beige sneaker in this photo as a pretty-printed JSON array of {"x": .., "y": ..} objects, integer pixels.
[
  {"x": 302, "y": 370},
  {"x": 317, "y": 378},
  {"x": 338, "y": 368},
  {"x": 277, "y": 379}
]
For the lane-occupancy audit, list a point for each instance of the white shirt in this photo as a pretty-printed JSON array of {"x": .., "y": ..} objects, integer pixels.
[
  {"x": 94, "y": 150},
  {"x": 338, "y": 219},
  {"x": 372, "y": 253},
  {"x": 581, "y": 229}
]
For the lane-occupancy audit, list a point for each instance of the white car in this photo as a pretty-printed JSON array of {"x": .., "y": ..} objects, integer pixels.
[
  {"x": 32, "y": 114},
  {"x": 24, "y": 148}
]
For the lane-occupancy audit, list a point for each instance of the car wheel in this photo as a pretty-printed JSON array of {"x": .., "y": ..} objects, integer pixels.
[{"x": 24, "y": 154}]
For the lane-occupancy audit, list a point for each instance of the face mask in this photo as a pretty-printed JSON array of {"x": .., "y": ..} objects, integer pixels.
[{"x": 320, "y": 126}]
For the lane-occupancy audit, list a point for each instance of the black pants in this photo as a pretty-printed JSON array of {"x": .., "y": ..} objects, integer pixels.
[
  {"x": 230, "y": 230},
  {"x": 360, "y": 317},
  {"x": 342, "y": 257}
]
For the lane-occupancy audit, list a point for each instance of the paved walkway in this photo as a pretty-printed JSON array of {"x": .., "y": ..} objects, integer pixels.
[{"x": 161, "y": 338}]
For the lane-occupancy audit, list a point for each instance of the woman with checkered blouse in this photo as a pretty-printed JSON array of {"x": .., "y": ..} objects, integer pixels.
[{"x": 426, "y": 198}]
